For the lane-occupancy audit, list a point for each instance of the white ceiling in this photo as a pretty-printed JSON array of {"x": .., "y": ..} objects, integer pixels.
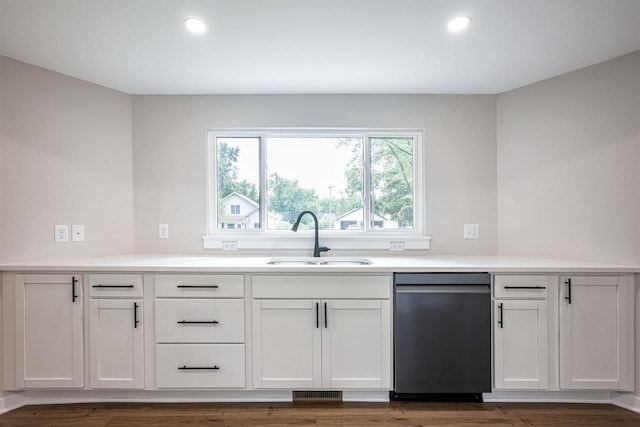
[{"x": 316, "y": 46}]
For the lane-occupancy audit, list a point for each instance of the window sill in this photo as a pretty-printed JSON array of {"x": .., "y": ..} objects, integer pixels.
[{"x": 289, "y": 240}]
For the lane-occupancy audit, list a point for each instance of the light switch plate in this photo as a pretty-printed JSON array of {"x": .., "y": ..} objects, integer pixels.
[
  {"x": 472, "y": 231},
  {"x": 77, "y": 233}
]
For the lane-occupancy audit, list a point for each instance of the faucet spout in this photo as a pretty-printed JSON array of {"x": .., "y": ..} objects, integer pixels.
[{"x": 317, "y": 249}]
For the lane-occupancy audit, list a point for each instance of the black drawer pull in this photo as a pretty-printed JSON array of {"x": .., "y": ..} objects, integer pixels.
[
  {"x": 113, "y": 286},
  {"x": 198, "y": 322},
  {"x": 568, "y": 297},
  {"x": 74, "y": 296},
  {"x": 325, "y": 315},
  {"x": 501, "y": 321},
  {"x": 525, "y": 287},
  {"x": 198, "y": 286},
  {"x": 201, "y": 368},
  {"x": 135, "y": 315}
]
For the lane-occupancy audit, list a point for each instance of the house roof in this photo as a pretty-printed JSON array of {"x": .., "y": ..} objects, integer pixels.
[
  {"x": 376, "y": 216},
  {"x": 241, "y": 196}
]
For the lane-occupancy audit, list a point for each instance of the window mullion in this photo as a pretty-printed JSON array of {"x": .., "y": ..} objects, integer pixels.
[
  {"x": 263, "y": 183},
  {"x": 367, "y": 199}
]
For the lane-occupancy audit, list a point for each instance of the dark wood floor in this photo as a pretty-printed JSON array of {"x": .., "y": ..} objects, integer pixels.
[{"x": 344, "y": 414}]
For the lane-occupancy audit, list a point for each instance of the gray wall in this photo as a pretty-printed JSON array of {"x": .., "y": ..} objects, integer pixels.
[
  {"x": 569, "y": 168},
  {"x": 569, "y": 165},
  {"x": 169, "y": 157},
  {"x": 65, "y": 158}
]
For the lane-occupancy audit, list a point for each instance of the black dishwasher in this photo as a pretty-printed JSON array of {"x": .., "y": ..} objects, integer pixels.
[{"x": 442, "y": 336}]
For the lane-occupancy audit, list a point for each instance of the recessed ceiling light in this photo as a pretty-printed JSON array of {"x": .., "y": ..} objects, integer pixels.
[
  {"x": 195, "y": 25},
  {"x": 459, "y": 23}
]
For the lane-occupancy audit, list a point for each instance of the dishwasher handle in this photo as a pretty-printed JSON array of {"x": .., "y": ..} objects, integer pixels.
[{"x": 443, "y": 289}]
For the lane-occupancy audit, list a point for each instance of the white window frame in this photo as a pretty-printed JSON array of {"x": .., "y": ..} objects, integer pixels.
[{"x": 367, "y": 239}]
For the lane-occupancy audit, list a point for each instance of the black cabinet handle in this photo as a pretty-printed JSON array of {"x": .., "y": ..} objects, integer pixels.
[
  {"x": 317, "y": 315},
  {"x": 73, "y": 288},
  {"x": 201, "y": 368},
  {"x": 568, "y": 297},
  {"x": 325, "y": 315},
  {"x": 525, "y": 287},
  {"x": 501, "y": 320},
  {"x": 113, "y": 286},
  {"x": 198, "y": 322},
  {"x": 135, "y": 315},
  {"x": 198, "y": 286}
]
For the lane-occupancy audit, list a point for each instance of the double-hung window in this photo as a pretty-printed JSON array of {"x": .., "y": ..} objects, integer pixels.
[{"x": 366, "y": 187}]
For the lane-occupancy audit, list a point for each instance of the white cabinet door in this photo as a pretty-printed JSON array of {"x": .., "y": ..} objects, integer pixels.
[
  {"x": 48, "y": 310},
  {"x": 596, "y": 332},
  {"x": 286, "y": 344},
  {"x": 520, "y": 344},
  {"x": 116, "y": 344},
  {"x": 356, "y": 339}
]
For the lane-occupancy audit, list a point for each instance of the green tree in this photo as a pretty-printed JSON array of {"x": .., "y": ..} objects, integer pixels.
[
  {"x": 391, "y": 178},
  {"x": 288, "y": 199},
  {"x": 228, "y": 174}
]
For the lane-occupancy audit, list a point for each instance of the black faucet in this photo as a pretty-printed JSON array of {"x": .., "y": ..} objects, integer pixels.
[{"x": 316, "y": 247}]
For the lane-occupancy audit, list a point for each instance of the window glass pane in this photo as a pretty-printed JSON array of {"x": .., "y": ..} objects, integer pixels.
[
  {"x": 320, "y": 174},
  {"x": 392, "y": 183},
  {"x": 238, "y": 198}
]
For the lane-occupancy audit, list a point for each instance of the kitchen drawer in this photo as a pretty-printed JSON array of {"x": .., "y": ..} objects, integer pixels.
[
  {"x": 200, "y": 366},
  {"x": 322, "y": 287},
  {"x": 115, "y": 286},
  {"x": 517, "y": 286},
  {"x": 199, "y": 286},
  {"x": 222, "y": 320}
]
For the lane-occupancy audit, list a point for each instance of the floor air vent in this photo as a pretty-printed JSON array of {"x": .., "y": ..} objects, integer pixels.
[{"x": 317, "y": 396}]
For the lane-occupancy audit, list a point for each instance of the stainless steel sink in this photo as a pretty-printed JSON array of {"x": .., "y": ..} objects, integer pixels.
[{"x": 307, "y": 261}]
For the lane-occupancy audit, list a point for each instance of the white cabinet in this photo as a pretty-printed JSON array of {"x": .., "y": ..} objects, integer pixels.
[
  {"x": 199, "y": 331},
  {"x": 570, "y": 332},
  {"x": 520, "y": 344},
  {"x": 116, "y": 340},
  {"x": 116, "y": 343},
  {"x": 286, "y": 340},
  {"x": 200, "y": 365},
  {"x": 521, "y": 355},
  {"x": 356, "y": 344},
  {"x": 596, "y": 332},
  {"x": 48, "y": 327},
  {"x": 321, "y": 342},
  {"x": 200, "y": 320}
]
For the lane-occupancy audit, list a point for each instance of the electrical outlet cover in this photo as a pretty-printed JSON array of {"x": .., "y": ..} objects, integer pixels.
[{"x": 61, "y": 234}]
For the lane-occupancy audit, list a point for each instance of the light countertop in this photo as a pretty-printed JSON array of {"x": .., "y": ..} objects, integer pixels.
[{"x": 255, "y": 264}]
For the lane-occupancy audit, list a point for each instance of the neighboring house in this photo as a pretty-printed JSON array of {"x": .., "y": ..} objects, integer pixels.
[
  {"x": 352, "y": 220},
  {"x": 239, "y": 211},
  {"x": 327, "y": 219}
]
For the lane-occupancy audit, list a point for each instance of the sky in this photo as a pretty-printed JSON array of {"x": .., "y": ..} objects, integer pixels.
[{"x": 317, "y": 163}]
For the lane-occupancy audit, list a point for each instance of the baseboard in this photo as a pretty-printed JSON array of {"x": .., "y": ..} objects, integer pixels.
[
  {"x": 365, "y": 395},
  {"x": 11, "y": 401},
  {"x": 562, "y": 396},
  {"x": 626, "y": 400}
]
